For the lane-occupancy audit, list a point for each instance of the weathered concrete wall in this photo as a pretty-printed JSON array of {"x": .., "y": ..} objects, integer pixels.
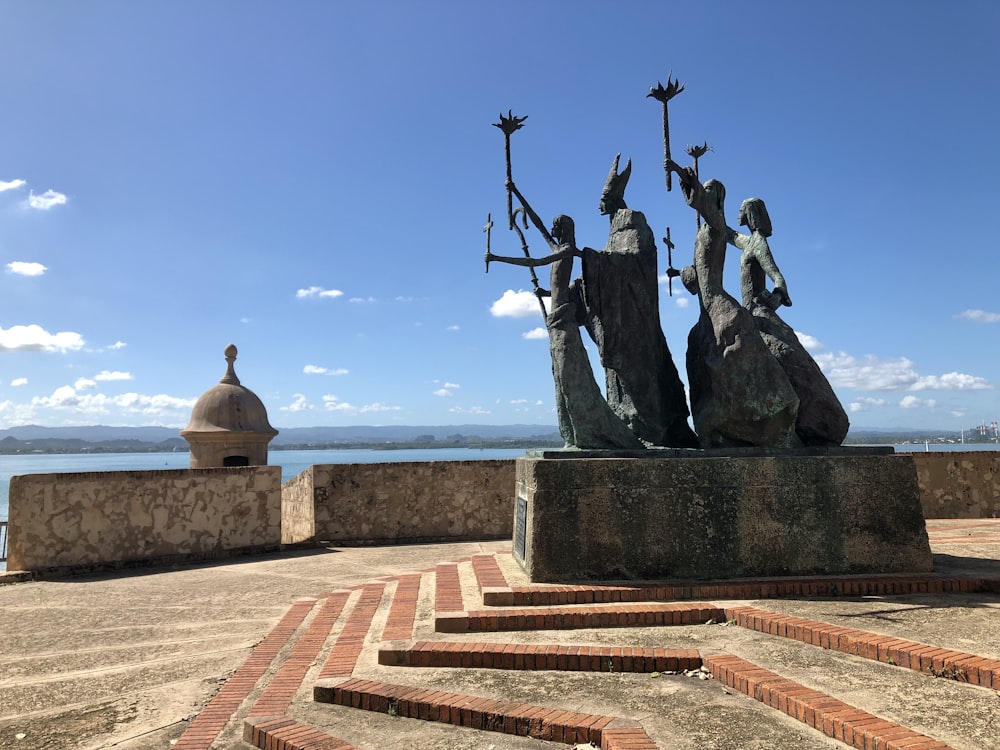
[
  {"x": 959, "y": 484},
  {"x": 401, "y": 502},
  {"x": 117, "y": 517}
]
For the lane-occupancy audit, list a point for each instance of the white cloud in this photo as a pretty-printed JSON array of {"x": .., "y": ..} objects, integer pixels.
[
  {"x": 451, "y": 385},
  {"x": 865, "y": 403},
  {"x": 912, "y": 402},
  {"x": 67, "y": 398},
  {"x": 519, "y": 304},
  {"x": 361, "y": 300},
  {"x": 84, "y": 384},
  {"x": 46, "y": 200},
  {"x": 299, "y": 403},
  {"x": 332, "y": 403},
  {"x": 809, "y": 343},
  {"x": 951, "y": 381},
  {"x": 534, "y": 334},
  {"x": 317, "y": 370},
  {"x": 11, "y": 185},
  {"x": 470, "y": 410},
  {"x": 118, "y": 345},
  {"x": 872, "y": 374},
  {"x": 443, "y": 392},
  {"x": 516, "y": 401},
  {"x": 318, "y": 291},
  {"x": 24, "y": 268},
  {"x": 980, "y": 316},
  {"x": 34, "y": 338},
  {"x": 452, "y": 328},
  {"x": 18, "y": 382},
  {"x": 682, "y": 302},
  {"x": 106, "y": 375}
]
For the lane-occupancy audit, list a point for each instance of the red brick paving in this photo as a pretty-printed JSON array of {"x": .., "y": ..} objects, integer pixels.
[
  {"x": 403, "y": 610},
  {"x": 207, "y": 725},
  {"x": 347, "y": 648},
  {"x": 281, "y": 688},
  {"x": 607, "y": 606},
  {"x": 823, "y": 712}
]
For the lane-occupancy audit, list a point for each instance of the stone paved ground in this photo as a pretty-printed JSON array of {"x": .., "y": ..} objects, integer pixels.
[{"x": 447, "y": 646}]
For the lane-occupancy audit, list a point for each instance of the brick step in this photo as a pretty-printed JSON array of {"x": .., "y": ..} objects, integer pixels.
[
  {"x": 826, "y": 586},
  {"x": 921, "y": 657},
  {"x": 289, "y": 734},
  {"x": 460, "y": 709},
  {"x": 567, "y": 618},
  {"x": 823, "y": 712},
  {"x": 573, "y": 658}
]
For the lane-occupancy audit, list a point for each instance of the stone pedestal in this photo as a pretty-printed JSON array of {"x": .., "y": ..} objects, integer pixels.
[{"x": 592, "y": 516}]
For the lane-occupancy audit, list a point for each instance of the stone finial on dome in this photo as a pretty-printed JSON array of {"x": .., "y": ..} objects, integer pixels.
[{"x": 230, "y": 376}]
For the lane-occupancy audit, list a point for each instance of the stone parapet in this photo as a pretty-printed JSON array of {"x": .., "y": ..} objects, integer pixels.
[
  {"x": 71, "y": 521},
  {"x": 959, "y": 484},
  {"x": 399, "y": 502}
]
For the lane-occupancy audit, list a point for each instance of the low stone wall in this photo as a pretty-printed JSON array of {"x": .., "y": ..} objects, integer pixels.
[
  {"x": 959, "y": 484},
  {"x": 399, "y": 502},
  {"x": 117, "y": 518}
]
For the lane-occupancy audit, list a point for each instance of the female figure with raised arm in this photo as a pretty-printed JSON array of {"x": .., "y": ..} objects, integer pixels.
[
  {"x": 740, "y": 394},
  {"x": 585, "y": 419},
  {"x": 821, "y": 418}
]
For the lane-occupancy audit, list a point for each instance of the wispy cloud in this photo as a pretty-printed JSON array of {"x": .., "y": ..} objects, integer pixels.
[
  {"x": 979, "y": 316},
  {"x": 535, "y": 333},
  {"x": 912, "y": 402},
  {"x": 951, "y": 381},
  {"x": 682, "y": 302},
  {"x": 865, "y": 403},
  {"x": 470, "y": 410},
  {"x": 447, "y": 390},
  {"x": 24, "y": 268},
  {"x": 332, "y": 403},
  {"x": 873, "y": 374},
  {"x": 810, "y": 343},
  {"x": 519, "y": 304},
  {"x": 452, "y": 328},
  {"x": 11, "y": 185},
  {"x": 34, "y": 338},
  {"x": 67, "y": 398},
  {"x": 361, "y": 300},
  {"x": 46, "y": 200},
  {"x": 317, "y": 370},
  {"x": 318, "y": 291},
  {"x": 299, "y": 403},
  {"x": 117, "y": 345},
  {"x": 18, "y": 382},
  {"x": 107, "y": 375}
]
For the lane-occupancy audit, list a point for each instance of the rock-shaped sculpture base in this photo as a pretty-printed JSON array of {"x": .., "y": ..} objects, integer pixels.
[
  {"x": 821, "y": 419},
  {"x": 724, "y": 515},
  {"x": 740, "y": 395}
]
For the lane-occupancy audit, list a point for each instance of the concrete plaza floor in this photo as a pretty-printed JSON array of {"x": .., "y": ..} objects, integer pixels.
[{"x": 183, "y": 656}]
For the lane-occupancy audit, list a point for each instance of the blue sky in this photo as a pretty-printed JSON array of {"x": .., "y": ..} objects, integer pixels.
[{"x": 309, "y": 181}]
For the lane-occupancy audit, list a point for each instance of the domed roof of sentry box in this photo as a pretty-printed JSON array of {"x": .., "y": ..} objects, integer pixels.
[{"x": 229, "y": 406}]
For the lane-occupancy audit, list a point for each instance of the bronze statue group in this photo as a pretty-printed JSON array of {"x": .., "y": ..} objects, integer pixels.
[{"x": 751, "y": 381}]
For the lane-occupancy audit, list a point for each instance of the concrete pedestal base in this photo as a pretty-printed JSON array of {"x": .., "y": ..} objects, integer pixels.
[{"x": 717, "y": 514}]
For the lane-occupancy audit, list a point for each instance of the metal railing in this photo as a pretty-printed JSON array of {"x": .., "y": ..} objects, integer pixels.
[{"x": 3, "y": 541}]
